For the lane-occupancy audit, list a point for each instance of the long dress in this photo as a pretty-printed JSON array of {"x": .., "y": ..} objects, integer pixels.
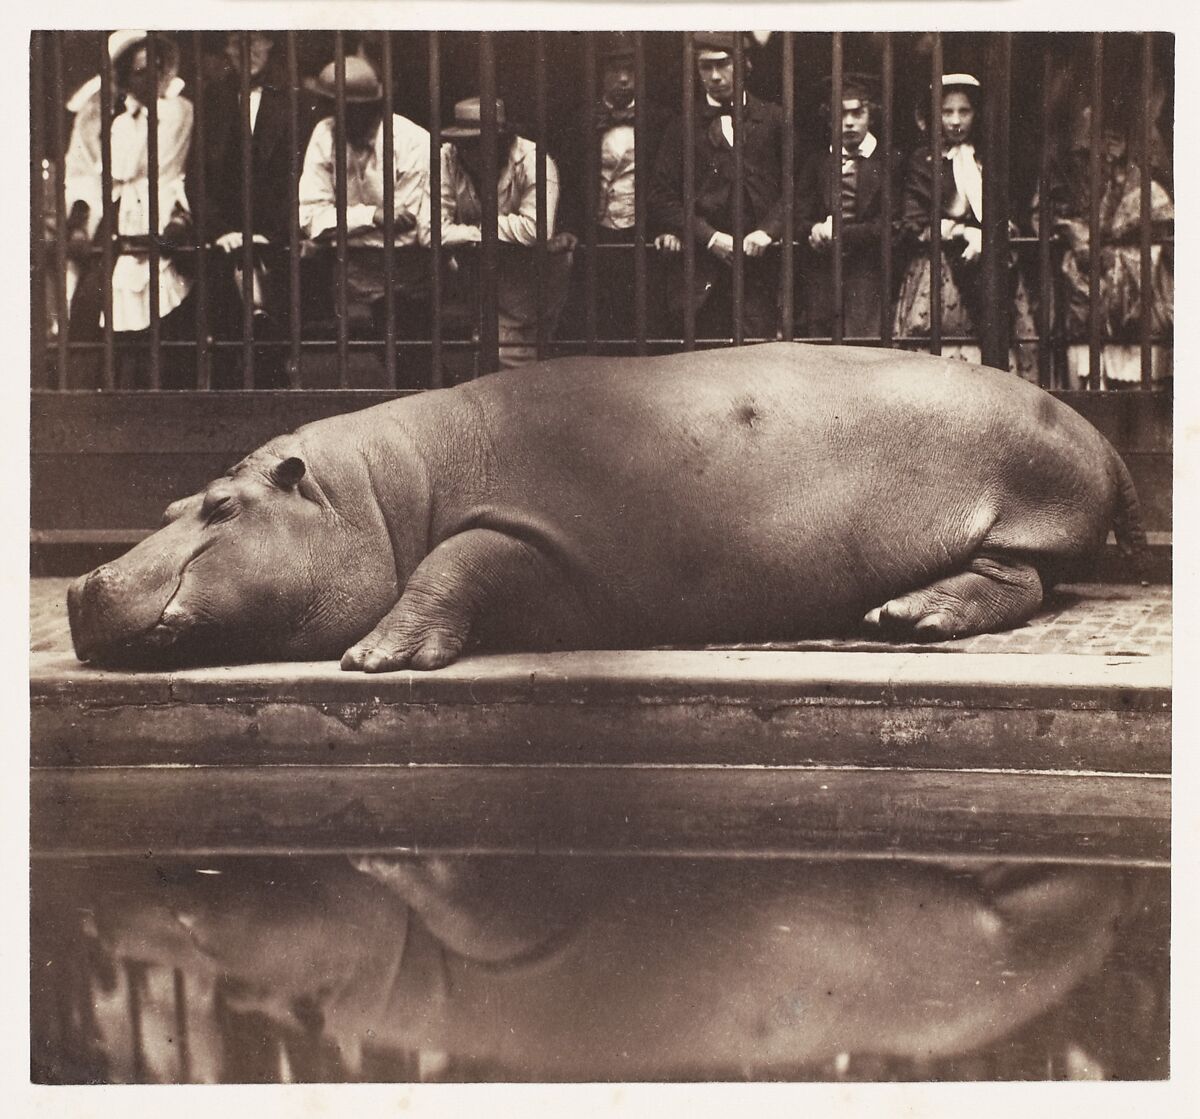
[
  {"x": 1121, "y": 297},
  {"x": 960, "y": 302}
]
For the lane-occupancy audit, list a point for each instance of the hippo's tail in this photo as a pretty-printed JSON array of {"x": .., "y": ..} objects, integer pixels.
[{"x": 1127, "y": 517}]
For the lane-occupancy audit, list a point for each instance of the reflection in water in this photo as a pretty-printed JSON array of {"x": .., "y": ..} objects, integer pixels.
[{"x": 572, "y": 969}]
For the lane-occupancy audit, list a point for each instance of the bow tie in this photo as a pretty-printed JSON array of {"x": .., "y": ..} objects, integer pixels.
[
  {"x": 724, "y": 109},
  {"x": 856, "y": 154},
  {"x": 610, "y": 118}
]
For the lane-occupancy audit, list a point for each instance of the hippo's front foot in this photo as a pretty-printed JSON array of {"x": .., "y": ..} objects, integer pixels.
[
  {"x": 994, "y": 593},
  {"x": 465, "y": 575}
]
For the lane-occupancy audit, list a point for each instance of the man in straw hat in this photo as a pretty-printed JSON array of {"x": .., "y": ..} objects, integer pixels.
[
  {"x": 516, "y": 224},
  {"x": 134, "y": 87},
  {"x": 862, "y": 173},
  {"x": 714, "y": 177},
  {"x": 365, "y": 169}
]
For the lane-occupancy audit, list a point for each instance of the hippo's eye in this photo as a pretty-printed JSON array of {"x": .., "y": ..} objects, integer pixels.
[{"x": 219, "y": 509}]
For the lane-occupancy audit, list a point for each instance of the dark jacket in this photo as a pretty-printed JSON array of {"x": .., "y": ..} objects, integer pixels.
[
  {"x": 270, "y": 190},
  {"x": 762, "y": 163},
  {"x": 862, "y": 294},
  {"x": 918, "y": 194},
  {"x": 572, "y": 166}
]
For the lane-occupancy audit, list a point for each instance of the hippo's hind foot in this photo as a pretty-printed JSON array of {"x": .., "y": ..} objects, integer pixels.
[
  {"x": 994, "y": 593},
  {"x": 464, "y": 576}
]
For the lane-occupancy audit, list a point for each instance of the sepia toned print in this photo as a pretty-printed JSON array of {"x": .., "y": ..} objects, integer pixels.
[{"x": 786, "y": 799}]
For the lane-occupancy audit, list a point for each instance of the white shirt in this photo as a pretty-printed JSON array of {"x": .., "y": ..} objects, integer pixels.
[
  {"x": 364, "y": 183},
  {"x": 616, "y": 207},
  {"x": 516, "y": 197}
]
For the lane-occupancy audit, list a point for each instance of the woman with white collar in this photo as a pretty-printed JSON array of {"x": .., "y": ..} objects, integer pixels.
[
  {"x": 961, "y": 225},
  {"x": 133, "y": 88}
]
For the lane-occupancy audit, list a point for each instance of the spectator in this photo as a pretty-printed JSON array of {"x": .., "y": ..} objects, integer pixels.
[
  {"x": 609, "y": 204},
  {"x": 712, "y": 225},
  {"x": 134, "y": 87},
  {"x": 961, "y": 231},
  {"x": 1122, "y": 301},
  {"x": 516, "y": 225},
  {"x": 269, "y": 173},
  {"x": 365, "y": 273},
  {"x": 863, "y": 222}
]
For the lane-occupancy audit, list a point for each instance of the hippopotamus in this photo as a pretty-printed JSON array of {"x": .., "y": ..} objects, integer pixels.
[{"x": 769, "y": 492}]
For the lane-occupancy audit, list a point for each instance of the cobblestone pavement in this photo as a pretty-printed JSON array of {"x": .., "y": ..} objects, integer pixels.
[{"x": 1101, "y": 619}]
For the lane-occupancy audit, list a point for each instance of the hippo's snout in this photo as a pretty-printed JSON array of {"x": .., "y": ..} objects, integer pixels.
[{"x": 112, "y": 614}]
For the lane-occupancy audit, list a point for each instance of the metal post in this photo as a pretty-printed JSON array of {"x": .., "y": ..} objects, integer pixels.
[
  {"x": 435, "y": 203},
  {"x": 539, "y": 187},
  {"x": 341, "y": 147},
  {"x": 108, "y": 217},
  {"x": 935, "y": 201},
  {"x": 155, "y": 218},
  {"x": 1045, "y": 221},
  {"x": 689, "y": 192},
  {"x": 489, "y": 327},
  {"x": 886, "y": 200},
  {"x": 1094, "y": 233},
  {"x": 389, "y": 219},
  {"x": 640, "y": 191},
  {"x": 994, "y": 328},
  {"x": 60, "y": 215},
  {"x": 787, "y": 266},
  {"x": 835, "y": 186},
  {"x": 1146, "y": 212},
  {"x": 294, "y": 167},
  {"x": 37, "y": 211},
  {"x": 198, "y": 190},
  {"x": 246, "y": 137},
  {"x": 739, "y": 191},
  {"x": 591, "y": 189}
]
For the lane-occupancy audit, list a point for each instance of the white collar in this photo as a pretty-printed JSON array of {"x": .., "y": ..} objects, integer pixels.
[
  {"x": 867, "y": 147},
  {"x": 714, "y": 102}
]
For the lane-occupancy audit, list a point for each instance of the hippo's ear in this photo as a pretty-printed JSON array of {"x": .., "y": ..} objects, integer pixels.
[{"x": 287, "y": 473}]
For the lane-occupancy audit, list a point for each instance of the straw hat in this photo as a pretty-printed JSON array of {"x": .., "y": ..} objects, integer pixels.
[
  {"x": 362, "y": 83},
  {"x": 468, "y": 119}
]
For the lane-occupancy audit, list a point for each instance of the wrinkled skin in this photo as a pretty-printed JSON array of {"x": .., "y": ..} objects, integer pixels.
[
  {"x": 681, "y": 968},
  {"x": 769, "y": 492}
]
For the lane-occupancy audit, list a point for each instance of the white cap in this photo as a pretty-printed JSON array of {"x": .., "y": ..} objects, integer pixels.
[{"x": 960, "y": 79}]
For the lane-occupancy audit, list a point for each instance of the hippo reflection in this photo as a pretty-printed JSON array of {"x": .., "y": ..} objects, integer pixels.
[{"x": 633, "y": 970}]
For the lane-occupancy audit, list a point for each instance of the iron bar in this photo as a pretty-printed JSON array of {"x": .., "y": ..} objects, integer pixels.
[
  {"x": 887, "y": 201},
  {"x": 1145, "y": 227},
  {"x": 435, "y": 205},
  {"x": 389, "y": 217},
  {"x": 689, "y": 192},
  {"x": 1048, "y": 296},
  {"x": 294, "y": 169},
  {"x": 60, "y": 212},
  {"x": 489, "y": 326},
  {"x": 787, "y": 269},
  {"x": 935, "y": 199},
  {"x": 539, "y": 187},
  {"x": 246, "y": 137},
  {"x": 155, "y": 218},
  {"x": 994, "y": 327},
  {"x": 835, "y": 185},
  {"x": 739, "y": 188},
  {"x": 641, "y": 174},
  {"x": 1094, "y": 233},
  {"x": 591, "y": 193},
  {"x": 108, "y": 216},
  {"x": 198, "y": 190},
  {"x": 39, "y": 165},
  {"x": 341, "y": 152}
]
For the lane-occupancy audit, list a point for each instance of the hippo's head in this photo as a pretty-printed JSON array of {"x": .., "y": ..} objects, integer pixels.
[{"x": 258, "y": 565}]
